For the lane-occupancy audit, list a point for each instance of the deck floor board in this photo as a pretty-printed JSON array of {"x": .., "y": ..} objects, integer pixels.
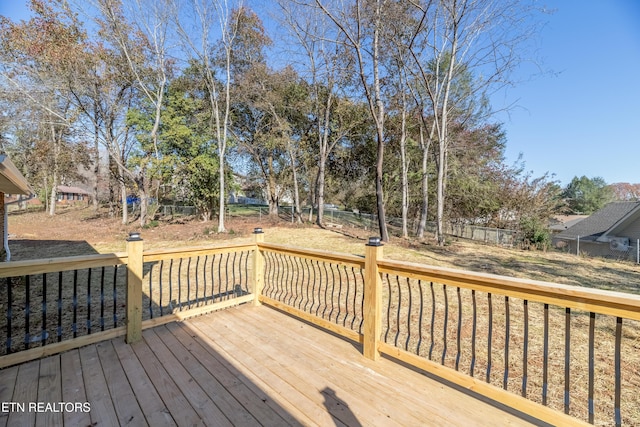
[{"x": 246, "y": 366}]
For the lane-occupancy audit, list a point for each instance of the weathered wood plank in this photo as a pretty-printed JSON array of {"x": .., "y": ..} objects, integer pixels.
[
  {"x": 73, "y": 388},
  {"x": 50, "y": 392},
  {"x": 123, "y": 397},
  {"x": 102, "y": 410},
  {"x": 25, "y": 393},
  {"x": 7, "y": 384},
  {"x": 155, "y": 411}
]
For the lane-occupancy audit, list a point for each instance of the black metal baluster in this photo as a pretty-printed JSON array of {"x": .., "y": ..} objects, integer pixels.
[
  {"x": 233, "y": 273},
  {"x": 43, "y": 334},
  {"x": 567, "y": 357},
  {"x": 489, "y": 337},
  {"x": 308, "y": 285},
  {"x": 473, "y": 333},
  {"x": 525, "y": 350},
  {"x": 89, "y": 301},
  {"x": 197, "y": 281},
  {"x": 399, "y": 306},
  {"x": 346, "y": 296},
  {"x": 355, "y": 296},
  {"x": 545, "y": 356},
  {"x": 388, "y": 309},
  {"x": 339, "y": 292},
  {"x": 220, "y": 293},
  {"x": 151, "y": 292},
  {"x": 618, "y": 381},
  {"x": 361, "y": 302},
  {"x": 507, "y": 331},
  {"x": 289, "y": 282},
  {"x": 406, "y": 344},
  {"x": 171, "y": 284},
  {"x": 277, "y": 264},
  {"x": 240, "y": 283},
  {"x": 420, "y": 317},
  {"x": 180, "y": 285},
  {"x": 326, "y": 288},
  {"x": 226, "y": 276},
  {"x": 333, "y": 287},
  {"x": 59, "y": 329},
  {"x": 115, "y": 296},
  {"x": 458, "y": 349},
  {"x": 204, "y": 279},
  {"x": 592, "y": 326},
  {"x": 433, "y": 319},
  {"x": 188, "y": 283},
  {"x": 102, "y": 270},
  {"x": 301, "y": 269},
  {"x": 27, "y": 311},
  {"x": 268, "y": 288},
  {"x": 160, "y": 286},
  {"x": 75, "y": 303},
  {"x": 313, "y": 292},
  {"x": 9, "y": 281},
  {"x": 319, "y": 281},
  {"x": 446, "y": 322}
]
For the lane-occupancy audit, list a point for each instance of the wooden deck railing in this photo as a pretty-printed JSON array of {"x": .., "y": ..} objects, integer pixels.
[
  {"x": 562, "y": 354},
  {"x": 61, "y": 303}
]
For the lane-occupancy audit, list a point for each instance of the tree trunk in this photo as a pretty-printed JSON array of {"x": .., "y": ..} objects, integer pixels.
[
  {"x": 296, "y": 194},
  {"x": 221, "y": 201},
  {"x": 123, "y": 196},
  {"x": 405, "y": 171},
  {"x": 424, "y": 210},
  {"x": 96, "y": 167}
]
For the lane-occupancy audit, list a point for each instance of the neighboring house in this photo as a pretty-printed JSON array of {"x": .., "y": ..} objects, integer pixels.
[
  {"x": 11, "y": 182},
  {"x": 562, "y": 222},
  {"x": 611, "y": 231},
  {"x": 70, "y": 195}
]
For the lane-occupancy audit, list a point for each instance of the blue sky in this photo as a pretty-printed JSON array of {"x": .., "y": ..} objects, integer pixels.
[
  {"x": 582, "y": 120},
  {"x": 582, "y": 117}
]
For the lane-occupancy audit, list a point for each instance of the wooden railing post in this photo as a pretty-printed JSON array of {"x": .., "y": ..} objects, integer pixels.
[
  {"x": 372, "y": 299},
  {"x": 258, "y": 267},
  {"x": 134, "y": 288}
]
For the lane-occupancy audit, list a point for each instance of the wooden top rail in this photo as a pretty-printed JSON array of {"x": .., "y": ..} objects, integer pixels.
[
  {"x": 52, "y": 265},
  {"x": 162, "y": 254},
  {"x": 318, "y": 255},
  {"x": 611, "y": 303}
]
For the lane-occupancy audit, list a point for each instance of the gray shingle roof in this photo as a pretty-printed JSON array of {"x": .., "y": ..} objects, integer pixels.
[{"x": 599, "y": 222}]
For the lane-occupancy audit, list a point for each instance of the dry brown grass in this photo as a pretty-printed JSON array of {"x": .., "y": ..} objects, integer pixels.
[{"x": 81, "y": 231}]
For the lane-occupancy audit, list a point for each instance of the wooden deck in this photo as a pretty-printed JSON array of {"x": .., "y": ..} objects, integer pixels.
[{"x": 245, "y": 366}]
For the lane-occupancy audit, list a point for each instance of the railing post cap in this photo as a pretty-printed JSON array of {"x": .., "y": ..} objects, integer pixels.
[
  {"x": 374, "y": 241},
  {"x": 134, "y": 236},
  {"x": 258, "y": 230}
]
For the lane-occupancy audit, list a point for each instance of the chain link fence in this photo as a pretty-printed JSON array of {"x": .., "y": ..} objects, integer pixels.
[{"x": 622, "y": 249}]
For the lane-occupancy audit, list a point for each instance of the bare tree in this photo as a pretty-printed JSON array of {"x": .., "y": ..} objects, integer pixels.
[
  {"x": 200, "y": 42},
  {"x": 361, "y": 25},
  {"x": 455, "y": 37},
  {"x": 322, "y": 66},
  {"x": 146, "y": 53}
]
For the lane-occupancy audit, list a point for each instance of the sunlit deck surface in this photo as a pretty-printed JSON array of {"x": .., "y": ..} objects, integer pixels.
[{"x": 245, "y": 366}]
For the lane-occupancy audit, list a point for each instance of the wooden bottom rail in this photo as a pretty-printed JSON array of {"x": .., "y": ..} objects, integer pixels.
[
  {"x": 480, "y": 387},
  {"x": 322, "y": 323},
  {"x": 48, "y": 350}
]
